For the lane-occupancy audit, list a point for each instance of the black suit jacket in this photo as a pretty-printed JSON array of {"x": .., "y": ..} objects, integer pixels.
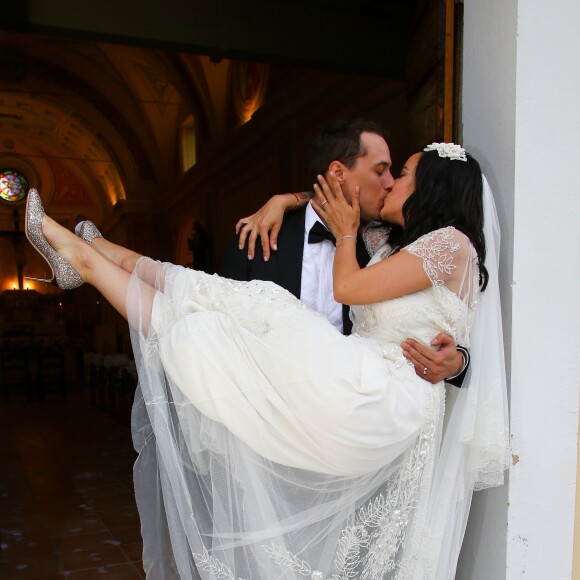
[{"x": 285, "y": 265}]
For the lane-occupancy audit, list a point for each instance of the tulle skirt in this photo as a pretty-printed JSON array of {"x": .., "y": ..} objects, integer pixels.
[{"x": 271, "y": 446}]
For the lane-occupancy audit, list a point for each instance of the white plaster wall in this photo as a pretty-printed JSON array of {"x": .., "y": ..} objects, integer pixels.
[
  {"x": 546, "y": 291},
  {"x": 522, "y": 119},
  {"x": 489, "y": 120}
]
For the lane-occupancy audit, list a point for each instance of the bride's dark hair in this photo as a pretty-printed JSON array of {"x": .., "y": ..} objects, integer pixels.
[{"x": 447, "y": 193}]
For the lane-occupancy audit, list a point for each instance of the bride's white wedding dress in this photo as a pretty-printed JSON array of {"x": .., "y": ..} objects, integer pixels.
[{"x": 271, "y": 446}]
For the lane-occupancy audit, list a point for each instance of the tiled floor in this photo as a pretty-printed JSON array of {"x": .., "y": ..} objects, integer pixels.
[{"x": 67, "y": 508}]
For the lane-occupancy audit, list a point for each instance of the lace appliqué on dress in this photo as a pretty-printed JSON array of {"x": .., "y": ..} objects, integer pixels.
[
  {"x": 375, "y": 236},
  {"x": 445, "y": 266},
  {"x": 248, "y": 303},
  {"x": 381, "y": 525},
  {"x": 377, "y": 543},
  {"x": 212, "y": 565},
  {"x": 436, "y": 249},
  {"x": 286, "y": 559},
  {"x": 232, "y": 297}
]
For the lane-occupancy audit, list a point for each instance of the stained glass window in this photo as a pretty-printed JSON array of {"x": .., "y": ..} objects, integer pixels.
[{"x": 13, "y": 185}]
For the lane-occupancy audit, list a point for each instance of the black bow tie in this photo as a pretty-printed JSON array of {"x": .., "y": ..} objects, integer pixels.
[{"x": 319, "y": 233}]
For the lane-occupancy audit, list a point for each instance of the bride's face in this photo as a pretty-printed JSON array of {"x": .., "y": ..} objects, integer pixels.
[{"x": 402, "y": 188}]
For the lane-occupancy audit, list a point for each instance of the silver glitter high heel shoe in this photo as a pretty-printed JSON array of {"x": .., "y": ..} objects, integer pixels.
[
  {"x": 65, "y": 276},
  {"x": 88, "y": 231}
]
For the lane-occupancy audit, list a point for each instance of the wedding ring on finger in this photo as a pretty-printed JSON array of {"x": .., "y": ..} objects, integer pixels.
[
  {"x": 425, "y": 369},
  {"x": 322, "y": 204}
]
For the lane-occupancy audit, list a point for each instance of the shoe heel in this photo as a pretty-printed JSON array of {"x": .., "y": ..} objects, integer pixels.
[{"x": 45, "y": 280}]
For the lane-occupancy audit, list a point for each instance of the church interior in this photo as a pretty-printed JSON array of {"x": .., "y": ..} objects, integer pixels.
[{"x": 163, "y": 140}]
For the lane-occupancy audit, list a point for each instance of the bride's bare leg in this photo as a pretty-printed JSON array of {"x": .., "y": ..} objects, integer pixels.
[
  {"x": 111, "y": 280},
  {"x": 123, "y": 257}
]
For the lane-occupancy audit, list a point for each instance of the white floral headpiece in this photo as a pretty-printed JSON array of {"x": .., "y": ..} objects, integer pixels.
[{"x": 449, "y": 150}]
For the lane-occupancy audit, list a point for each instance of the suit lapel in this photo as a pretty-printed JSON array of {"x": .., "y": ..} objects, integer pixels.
[
  {"x": 362, "y": 256},
  {"x": 290, "y": 252}
]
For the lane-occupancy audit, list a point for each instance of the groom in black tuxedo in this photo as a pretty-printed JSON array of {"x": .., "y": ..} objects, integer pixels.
[
  {"x": 359, "y": 155},
  {"x": 285, "y": 265}
]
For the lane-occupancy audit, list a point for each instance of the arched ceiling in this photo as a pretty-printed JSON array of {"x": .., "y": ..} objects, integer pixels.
[
  {"x": 94, "y": 124},
  {"x": 91, "y": 124}
]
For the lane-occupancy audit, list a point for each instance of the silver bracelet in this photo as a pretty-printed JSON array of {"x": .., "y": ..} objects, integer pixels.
[{"x": 343, "y": 237}]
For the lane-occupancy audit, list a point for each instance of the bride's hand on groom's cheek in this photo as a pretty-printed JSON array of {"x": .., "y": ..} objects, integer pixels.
[{"x": 332, "y": 207}]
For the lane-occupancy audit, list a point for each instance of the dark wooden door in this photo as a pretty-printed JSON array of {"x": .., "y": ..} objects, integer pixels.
[{"x": 430, "y": 73}]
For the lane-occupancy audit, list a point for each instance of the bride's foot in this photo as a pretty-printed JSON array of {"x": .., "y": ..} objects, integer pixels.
[
  {"x": 56, "y": 244},
  {"x": 67, "y": 245}
]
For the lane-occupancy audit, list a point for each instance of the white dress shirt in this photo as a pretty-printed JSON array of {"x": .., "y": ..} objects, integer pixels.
[{"x": 316, "y": 288}]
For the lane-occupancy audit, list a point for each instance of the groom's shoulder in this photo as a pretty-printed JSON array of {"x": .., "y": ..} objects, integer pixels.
[{"x": 235, "y": 262}]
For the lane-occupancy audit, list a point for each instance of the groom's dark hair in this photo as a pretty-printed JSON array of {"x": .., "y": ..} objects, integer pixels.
[{"x": 339, "y": 141}]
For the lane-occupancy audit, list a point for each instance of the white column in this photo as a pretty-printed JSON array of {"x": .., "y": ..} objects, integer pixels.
[{"x": 522, "y": 121}]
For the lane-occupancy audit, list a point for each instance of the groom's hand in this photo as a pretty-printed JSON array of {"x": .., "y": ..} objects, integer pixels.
[{"x": 434, "y": 365}]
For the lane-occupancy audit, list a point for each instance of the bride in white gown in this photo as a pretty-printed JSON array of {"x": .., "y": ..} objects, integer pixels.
[{"x": 270, "y": 445}]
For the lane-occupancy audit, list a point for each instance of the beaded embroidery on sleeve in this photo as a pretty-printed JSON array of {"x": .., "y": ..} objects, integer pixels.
[
  {"x": 439, "y": 251},
  {"x": 436, "y": 249}
]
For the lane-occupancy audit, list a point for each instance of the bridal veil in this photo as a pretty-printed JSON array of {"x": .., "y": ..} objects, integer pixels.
[{"x": 216, "y": 502}]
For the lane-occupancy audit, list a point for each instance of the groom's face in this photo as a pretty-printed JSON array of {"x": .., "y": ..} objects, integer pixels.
[{"x": 372, "y": 173}]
